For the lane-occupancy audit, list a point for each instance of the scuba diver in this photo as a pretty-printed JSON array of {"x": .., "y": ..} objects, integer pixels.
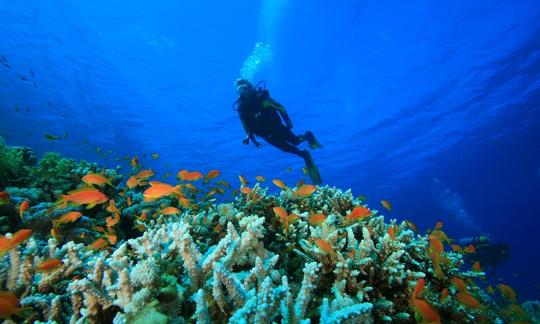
[
  {"x": 489, "y": 254},
  {"x": 263, "y": 116}
]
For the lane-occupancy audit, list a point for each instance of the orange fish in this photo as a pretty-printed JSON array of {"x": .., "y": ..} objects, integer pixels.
[
  {"x": 456, "y": 248},
  {"x": 392, "y": 232},
  {"x": 170, "y": 211},
  {"x": 325, "y": 246},
  {"x": 112, "y": 238},
  {"x": 144, "y": 174},
  {"x": 386, "y": 204},
  {"x": 467, "y": 299},
  {"x": 23, "y": 207},
  {"x": 460, "y": 284},
  {"x": 435, "y": 259},
  {"x": 476, "y": 266},
  {"x": 428, "y": 313},
  {"x": 184, "y": 202},
  {"x": 135, "y": 163},
  {"x": 439, "y": 225},
  {"x": 469, "y": 249},
  {"x": 140, "y": 227},
  {"x": 305, "y": 190},
  {"x": 280, "y": 212},
  {"x": 112, "y": 207},
  {"x": 112, "y": 220},
  {"x": 260, "y": 178},
  {"x": 242, "y": 179},
  {"x": 246, "y": 190},
  {"x": 98, "y": 244},
  {"x": 67, "y": 218},
  {"x": 4, "y": 198},
  {"x": 212, "y": 174},
  {"x": 359, "y": 212},
  {"x": 280, "y": 184},
  {"x": 132, "y": 182},
  {"x": 21, "y": 236},
  {"x": 83, "y": 196},
  {"x": 507, "y": 292},
  {"x": 99, "y": 229},
  {"x": 444, "y": 294},
  {"x": 49, "y": 265},
  {"x": 317, "y": 219},
  {"x": 224, "y": 184},
  {"x": 160, "y": 189},
  {"x": 286, "y": 220},
  {"x": 300, "y": 183},
  {"x": 436, "y": 244},
  {"x": 411, "y": 226},
  {"x": 10, "y": 297},
  {"x": 55, "y": 234},
  {"x": 189, "y": 176},
  {"x": 129, "y": 202},
  {"x": 418, "y": 288},
  {"x": 143, "y": 217},
  {"x": 8, "y": 308},
  {"x": 96, "y": 179}
]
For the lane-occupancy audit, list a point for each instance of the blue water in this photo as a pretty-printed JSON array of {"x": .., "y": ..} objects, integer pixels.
[{"x": 434, "y": 106}]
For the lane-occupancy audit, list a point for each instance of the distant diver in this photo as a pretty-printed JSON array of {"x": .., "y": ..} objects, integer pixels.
[
  {"x": 263, "y": 116},
  {"x": 490, "y": 254}
]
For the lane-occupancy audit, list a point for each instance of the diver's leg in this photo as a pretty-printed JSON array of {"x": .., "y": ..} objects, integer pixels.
[
  {"x": 308, "y": 136},
  {"x": 283, "y": 145},
  {"x": 313, "y": 143}
]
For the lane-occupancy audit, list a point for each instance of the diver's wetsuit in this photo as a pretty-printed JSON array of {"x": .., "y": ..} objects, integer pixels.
[{"x": 263, "y": 116}]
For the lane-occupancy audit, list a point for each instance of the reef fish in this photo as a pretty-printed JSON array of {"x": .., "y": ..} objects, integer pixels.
[
  {"x": 260, "y": 178},
  {"x": 189, "y": 176},
  {"x": 135, "y": 163},
  {"x": 428, "y": 313},
  {"x": 170, "y": 211},
  {"x": 49, "y": 265},
  {"x": 358, "y": 212},
  {"x": 83, "y": 196},
  {"x": 280, "y": 184},
  {"x": 507, "y": 292},
  {"x": 325, "y": 246},
  {"x": 305, "y": 190},
  {"x": 9, "y": 306},
  {"x": 467, "y": 299},
  {"x": 144, "y": 174},
  {"x": 96, "y": 179},
  {"x": 67, "y": 218},
  {"x": 212, "y": 174},
  {"x": 159, "y": 189},
  {"x": 23, "y": 207},
  {"x": 386, "y": 204},
  {"x": 317, "y": 219},
  {"x": 411, "y": 226}
]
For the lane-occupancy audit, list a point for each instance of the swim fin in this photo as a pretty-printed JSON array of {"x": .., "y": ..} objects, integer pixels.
[
  {"x": 312, "y": 171},
  {"x": 313, "y": 143}
]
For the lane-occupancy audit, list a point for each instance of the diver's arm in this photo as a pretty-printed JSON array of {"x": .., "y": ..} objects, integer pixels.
[
  {"x": 249, "y": 135},
  {"x": 269, "y": 102}
]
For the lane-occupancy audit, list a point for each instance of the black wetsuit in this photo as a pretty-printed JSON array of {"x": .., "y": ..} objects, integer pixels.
[{"x": 263, "y": 116}]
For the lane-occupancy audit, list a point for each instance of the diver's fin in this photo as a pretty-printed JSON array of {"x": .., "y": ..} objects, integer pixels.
[
  {"x": 313, "y": 172},
  {"x": 313, "y": 143}
]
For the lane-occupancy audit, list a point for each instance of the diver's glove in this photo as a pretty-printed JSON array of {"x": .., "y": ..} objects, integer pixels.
[{"x": 245, "y": 141}]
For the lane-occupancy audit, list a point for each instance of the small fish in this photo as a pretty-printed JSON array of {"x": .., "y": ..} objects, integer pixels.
[
  {"x": 460, "y": 284},
  {"x": 280, "y": 211},
  {"x": 56, "y": 234},
  {"x": 392, "y": 230},
  {"x": 418, "y": 288},
  {"x": 8, "y": 308},
  {"x": 155, "y": 156},
  {"x": 128, "y": 201},
  {"x": 49, "y": 265},
  {"x": 111, "y": 208},
  {"x": 507, "y": 292},
  {"x": 260, "y": 178},
  {"x": 467, "y": 299},
  {"x": 438, "y": 225},
  {"x": 140, "y": 227},
  {"x": 386, "y": 204},
  {"x": 358, "y": 213},
  {"x": 184, "y": 202},
  {"x": 469, "y": 249},
  {"x": 300, "y": 183},
  {"x": 411, "y": 226},
  {"x": 325, "y": 246},
  {"x": 98, "y": 244},
  {"x": 490, "y": 290},
  {"x": 143, "y": 217},
  {"x": 135, "y": 164},
  {"x": 83, "y": 196},
  {"x": 100, "y": 229},
  {"x": 476, "y": 267},
  {"x": 189, "y": 176},
  {"x": 112, "y": 220},
  {"x": 132, "y": 182},
  {"x": 21, "y": 236},
  {"x": 242, "y": 179},
  {"x": 159, "y": 189},
  {"x": 224, "y": 184},
  {"x": 23, "y": 207},
  {"x": 426, "y": 311},
  {"x": 280, "y": 184},
  {"x": 170, "y": 211},
  {"x": 444, "y": 294},
  {"x": 246, "y": 190},
  {"x": 96, "y": 179},
  {"x": 4, "y": 198},
  {"x": 317, "y": 219},
  {"x": 305, "y": 190},
  {"x": 67, "y": 218},
  {"x": 212, "y": 174},
  {"x": 436, "y": 244},
  {"x": 287, "y": 219},
  {"x": 52, "y": 137},
  {"x": 456, "y": 248}
]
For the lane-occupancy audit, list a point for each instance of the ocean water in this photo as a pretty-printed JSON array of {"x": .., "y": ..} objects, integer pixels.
[{"x": 432, "y": 105}]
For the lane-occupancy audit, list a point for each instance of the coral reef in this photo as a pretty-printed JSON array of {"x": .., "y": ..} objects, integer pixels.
[{"x": 308, "y": 254}]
